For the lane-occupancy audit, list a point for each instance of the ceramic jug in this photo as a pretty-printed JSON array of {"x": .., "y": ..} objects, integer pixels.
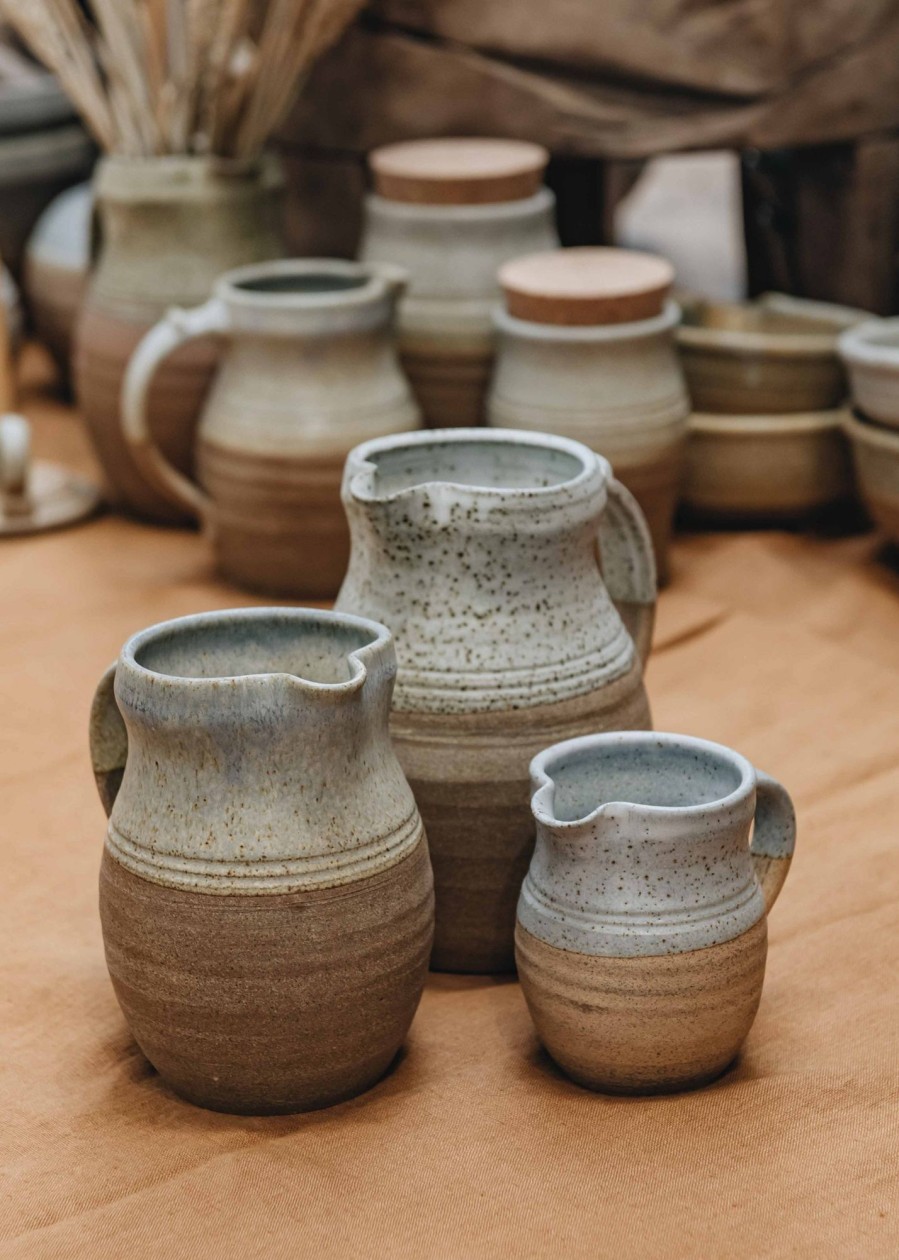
[
  {"x": 168, "y": 226},
  {"x": 451, "y": 211},
  {"x": 308, "y": 370},
  {"x": 478, "y": 549},
  {"x": 642, "y": 930},
  {"x": 265, "y": 892}
]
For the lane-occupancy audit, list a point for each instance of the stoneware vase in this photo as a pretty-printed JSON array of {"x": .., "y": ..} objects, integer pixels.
[
  {"x": 642, "y": 933},
  {"x": 479, "y": 550},
  {"x": 265, "y": 892},
  {"x": 308, "y": 370},
  {"x": 451, "y": 212},
  {"x": 57, "y": 259},
  {"x": 586, "y": 349},
  {"x": 168, "y": 227}
]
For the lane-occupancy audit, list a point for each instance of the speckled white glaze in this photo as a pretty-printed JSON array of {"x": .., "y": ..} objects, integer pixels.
[
  {"x": 478, "y": 549},
  {"x": 643, "y": 845},
  {"x": 256, "y": 752}
]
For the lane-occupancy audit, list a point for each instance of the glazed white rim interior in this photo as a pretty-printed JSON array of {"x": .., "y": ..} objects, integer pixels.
[
  {"x": 668, "y": 318},
  {"x": 856, "y": 346},
  {"x": 374, "y": 283}
]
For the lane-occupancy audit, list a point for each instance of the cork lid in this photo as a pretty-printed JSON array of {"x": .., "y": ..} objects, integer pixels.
[
  {"x": 458, "y": 172},
  {"x": 586, "y": 286}
]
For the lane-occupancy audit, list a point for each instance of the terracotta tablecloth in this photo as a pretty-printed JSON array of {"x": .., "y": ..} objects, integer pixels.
[{"x": 475, "y": 1145}]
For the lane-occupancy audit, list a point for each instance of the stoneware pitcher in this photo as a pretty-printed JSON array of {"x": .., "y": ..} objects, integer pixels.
[
  {"x": 479, "y": 550},
  {"x": 308, "y": 370},
  {"x": 265, "y": 893},
  {"x": 642, "y": 929}
]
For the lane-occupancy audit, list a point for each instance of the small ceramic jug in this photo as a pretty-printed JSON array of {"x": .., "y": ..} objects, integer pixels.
[
  {"x": 642, "y": 931},
  {"x": 479, "y": 549},
  {"x": 265, "y": 892},
  {"x": 586, "y": 349},
  {"x": 308, "y": 370},
  {"x": 451, "y": 211}
]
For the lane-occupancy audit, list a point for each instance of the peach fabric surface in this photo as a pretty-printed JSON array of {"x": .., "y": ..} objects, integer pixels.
[{"x": 474, "y": 1145}]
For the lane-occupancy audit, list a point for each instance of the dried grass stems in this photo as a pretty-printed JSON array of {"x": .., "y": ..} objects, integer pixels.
[{"x": 151, "y": 77}]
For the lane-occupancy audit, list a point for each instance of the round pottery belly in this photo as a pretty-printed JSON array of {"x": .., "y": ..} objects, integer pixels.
[
  {"x": 647, "y": 1024},
  {"x": 469, "y": 776},
  {"x": 449, "y": 383},
  {"x": 265, "y": 1004}
]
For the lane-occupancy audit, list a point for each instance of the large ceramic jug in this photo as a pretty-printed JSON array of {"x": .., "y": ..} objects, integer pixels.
[
  {"x": 265, "y": 893},
  {"x": 642, "y": 931},
  {"x": 307, "y": 371},
  {"x": 478, "y": 549}
]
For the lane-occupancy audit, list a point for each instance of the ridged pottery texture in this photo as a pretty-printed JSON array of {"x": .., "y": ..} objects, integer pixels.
[
  {"x": 307, "y": 371},
  {"x": 478, "y": 548},
  {"x": 617, "y": 388},
  {"x": 642, "y": 932},
  {"x": 452, "y": 254},
  {"x": 169, "y": 226},
  {"x": 266, "y": 895}
]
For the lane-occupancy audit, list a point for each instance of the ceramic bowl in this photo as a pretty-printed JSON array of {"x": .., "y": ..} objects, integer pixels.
[
  {"x": 875, "y": 452},
  {"x": 775, "y": 355},
  {"x": 766, "y": 468},
  {"x": 870, "y": 352}
]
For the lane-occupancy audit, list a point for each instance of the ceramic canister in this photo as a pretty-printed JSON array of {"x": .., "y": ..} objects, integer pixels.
[
  {"x": 479, "y": 549},
  {"x": 642, "y": 933},
  {"x": 586, "y": 349},
  {"x": 169, "y": 226},
  {"x": 308, "y": 370},
  {"x": 451, "y": 211},
  {"x": 265, "y": 892}
]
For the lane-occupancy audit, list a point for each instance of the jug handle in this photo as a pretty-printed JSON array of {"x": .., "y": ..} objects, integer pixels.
[
  {"x": 773, "y": 837},
  {"x": 108, "y": 740},
  {"x": 628, "y": 565},
  {"x": 175, "y": 328}
]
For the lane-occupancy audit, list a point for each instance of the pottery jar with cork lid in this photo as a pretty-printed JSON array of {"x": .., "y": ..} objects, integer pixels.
[
  {"x": 451, "y": 211},
  {"x": 586, "y": 350}
]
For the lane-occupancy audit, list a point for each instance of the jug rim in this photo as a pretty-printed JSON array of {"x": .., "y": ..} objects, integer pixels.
[
  {"x": 543, "y": 781},
  {"x": 360, "y": 659},
  {"x": 368, "y": 282}
]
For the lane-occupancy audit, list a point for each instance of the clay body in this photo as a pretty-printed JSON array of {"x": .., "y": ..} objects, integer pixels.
[
  {"x": 265, "y": 894},
  {"x": 56, "y": 269},
  {"x": 870, "y": 353},
  {"x": 875, "y": 454},
  {"x": 478, "y": 548},
  {"x": 169, "y": 227},
  {"x": 641, "y": 934},
  {"x": 308, "y": 370}
]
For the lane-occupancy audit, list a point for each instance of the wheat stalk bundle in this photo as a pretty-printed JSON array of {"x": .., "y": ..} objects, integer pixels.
[{"x": 151, "y": 77}]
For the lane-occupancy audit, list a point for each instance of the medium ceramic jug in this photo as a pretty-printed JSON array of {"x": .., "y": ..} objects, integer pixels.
[
  {"x": 642, "y": 930},
  {"x": 308, "y": 370},
  {"x": 265, "y": 892},
  {"x": 478, "y": 549}
]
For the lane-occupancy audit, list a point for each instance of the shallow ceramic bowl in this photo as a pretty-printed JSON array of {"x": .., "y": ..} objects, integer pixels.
[
  {"x": 870, "y": 352},
  {"x": 775, "y": 355},
  {"x": 875, "y": 452},
  {"x": 766, "y": 468}
]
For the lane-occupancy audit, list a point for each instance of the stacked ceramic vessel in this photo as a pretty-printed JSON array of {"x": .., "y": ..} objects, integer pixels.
[
  {"x": 768, "y": 390},
  {"x": 870, "y": 352}
]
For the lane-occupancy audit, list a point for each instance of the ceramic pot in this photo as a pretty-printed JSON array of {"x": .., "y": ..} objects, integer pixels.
[
  {"x": 307, "y": 371},
  {"x": 451, "y": 232},
  {"x": 774, "y": 355},
  {"x": 265, "y": 893},
  {"x": 875, "y": 452},
  {"x": 766, "y": 469},
  {"x": 616, "y": 386},
  {"x": 641, "y": 934},
  {"x": 56, "y": 267},
  {"x": 870, "y": 352},
  {"x": 478, "y": 548},
  {"x": 169, "y": 227}
]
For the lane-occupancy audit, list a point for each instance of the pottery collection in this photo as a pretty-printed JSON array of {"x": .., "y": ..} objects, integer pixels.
[
  {"x": 308, "y": 370},
  {"x": 265, "y": 893},
  {"x": 642, "y": 925},
  {"x": 479, "y": 549},
  {"x": 451, "y": 212},
  {"x": 168, "y": 228}
]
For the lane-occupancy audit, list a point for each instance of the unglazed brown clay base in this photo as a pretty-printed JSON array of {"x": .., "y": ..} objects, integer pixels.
[
  {"x": 449, "y": 387},
  {"x": 643, "y": 1025},
  {"x": 262, "y": 1005}
]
